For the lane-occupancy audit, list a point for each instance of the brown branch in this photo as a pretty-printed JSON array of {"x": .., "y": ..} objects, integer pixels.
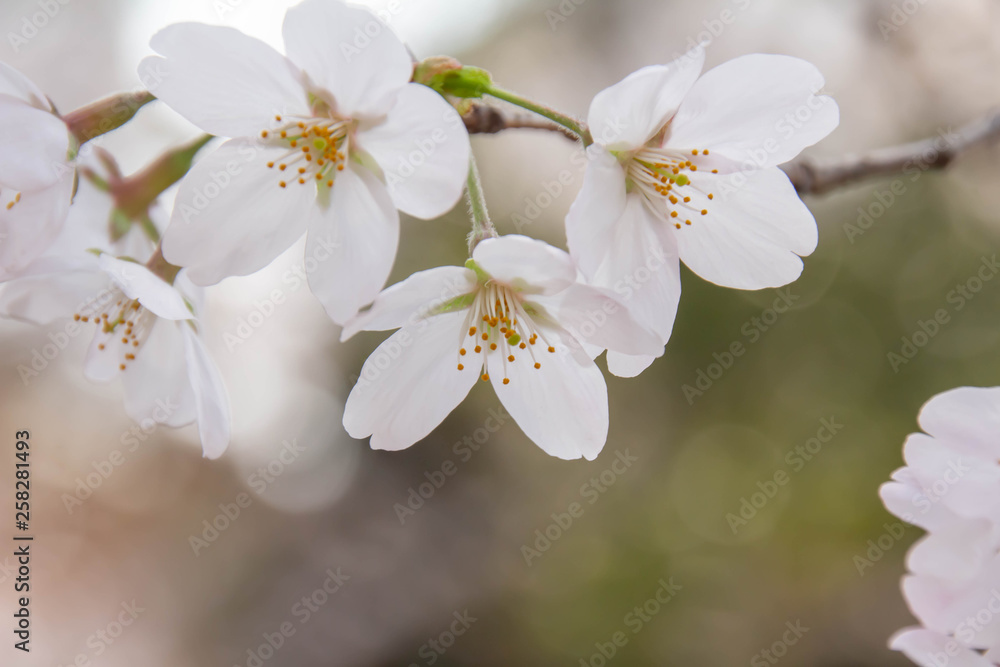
[
  {"x": 485, "y": 119},
  {"x": 814, "y": 178}
]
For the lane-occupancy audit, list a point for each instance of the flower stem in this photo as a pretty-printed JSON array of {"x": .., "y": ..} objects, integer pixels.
[
  {"x": 576, "y": 127},
  {"x": 482, "y": 226},
  {"x": 161, "y": 267}
]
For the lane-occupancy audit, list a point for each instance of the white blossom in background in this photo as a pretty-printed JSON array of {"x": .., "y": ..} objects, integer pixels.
[
  {"x": 685, "y": 168},
  {"x": 36, "y": 172},
  {"x": 331, "y": 141},
  {"x": 950, "y": 487},
  {"x": 514, "y": 316},
  {"x": 144, "y": 328}
]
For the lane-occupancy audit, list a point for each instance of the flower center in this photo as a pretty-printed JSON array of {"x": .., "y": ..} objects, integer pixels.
[
  {"x": 316, "y": 149},
  {"x": 499, "y": 322},
  {"x": 661, "y": 175},
  {"x": 135, "y": 321}
]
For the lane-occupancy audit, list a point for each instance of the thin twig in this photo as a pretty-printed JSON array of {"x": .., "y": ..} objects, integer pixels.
[
  {"x": 486, "y": 119},
  {"x": 811, "y": 177}
]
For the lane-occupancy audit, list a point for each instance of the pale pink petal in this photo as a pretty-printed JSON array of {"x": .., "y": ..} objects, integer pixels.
[
  {"x": 967, "y": 416},
  {"x": 34, "y": 146},
  {"x": 348, "y": 52},
  {"x": 932, "y": 649},
  {"x": 590, "y": 223},
  {"x": 528, "y": 265},
  {"x": 408, "y": 301},
  {"x": 562, "y": 406},
  {"x": 139, "y": 283},
  {"x": 753, "y": 233},
  {"x": 757, "y": 109},
  {"x": 354, "y": 244},
  {"x": 231, "y": 217},
  {"x": 30, "y": 227},
  {"x": 210, "y": 397},
  {"x": 423, "y": 150},
  {"x": 642, "y": 270},
  {"x": 410, "y": 383},
  {"x": 626, "y": 115},
  {"x": 227, "y": 83},
  {"x": 155, "y": 384}
]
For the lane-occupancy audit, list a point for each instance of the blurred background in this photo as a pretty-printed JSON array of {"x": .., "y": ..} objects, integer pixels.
[{"x": 473, "y": 568}]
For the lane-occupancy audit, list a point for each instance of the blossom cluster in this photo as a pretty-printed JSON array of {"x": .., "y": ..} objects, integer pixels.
[
  {"x": 334, "y": 145},
  {"x": 950, "y": 487}
]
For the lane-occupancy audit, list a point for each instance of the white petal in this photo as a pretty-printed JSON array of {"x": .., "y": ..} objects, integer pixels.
[
  {"x": 592, "y": 217},
  {"x": 595, "y": 317},
  {"x": 411, "y": 299},
  {"x": 969, "y": 416},
  {"x": 562, "y": 406},
  {"x": 956, "y": 551},
  {"x": 527, "y": 265},
  {"x": 626, "y": 366},
  {"x": 227, "y": 83},
  {"x": 43, "y": 296},
  {"x": 32, "y": 225},
  {"x": 911, "y": 504},
  {"x": 333, "y": 43},
  {"x": 210, "y": 396},
  {"x": 752, "y": 236},
  {"x": 626, "y": 115},
  {"x": 33, "y": 146},
  {"x": 15, "y": 84},
  {"x": 154, "y": 293},
  {"x": 231, "y": 218},
  {"x": 932, "y": 649},
  {"x": 354, "y": 244},
  {"x": 758, "y": 108},
  {"x": 104, "y": 356},
  {"x": 642, "y": 268},
  {"x": 423, "y": 150},
  {"x": 156, "y": 384},
  {"x": 410, "y": 383}
]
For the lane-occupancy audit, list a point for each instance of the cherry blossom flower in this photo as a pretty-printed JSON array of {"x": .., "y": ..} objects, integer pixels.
[
  {"x": 329, "y": 142},
  {"x": 36, "y": 172},
  {"x": 950, "y": 487},
  {"x": 685, "y": 169},
  {"x": 145, "y": 331},
  {"x": 514, "y": 316}
]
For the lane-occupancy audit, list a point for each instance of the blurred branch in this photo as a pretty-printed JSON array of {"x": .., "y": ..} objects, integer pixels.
[
  {"x": 485, "y": 119},
  {"x": 811, "y": 177}
]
